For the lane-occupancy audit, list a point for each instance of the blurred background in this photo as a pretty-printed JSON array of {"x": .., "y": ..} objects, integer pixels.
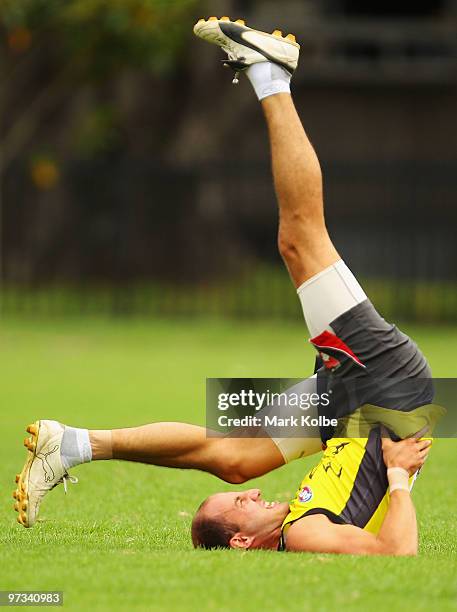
[
  {"x": 138, "y": 257},
  {"x": 135, "y": 179}
]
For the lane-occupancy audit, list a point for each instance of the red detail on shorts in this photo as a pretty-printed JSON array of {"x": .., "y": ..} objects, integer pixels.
[
  {"x": 330, "y": 341},
  {"x": 331, "y": 363}
]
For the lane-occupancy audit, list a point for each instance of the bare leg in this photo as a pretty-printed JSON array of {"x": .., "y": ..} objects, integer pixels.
[
  {"x": 303, "y": 239},
  {"x": 307, "y": 249},
  {"x": 180, "y": 445}
]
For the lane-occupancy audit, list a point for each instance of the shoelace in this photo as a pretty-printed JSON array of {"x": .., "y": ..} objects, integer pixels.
[
  {"x": 233, "y": 59},
  {"x": 66, "y": 477}
]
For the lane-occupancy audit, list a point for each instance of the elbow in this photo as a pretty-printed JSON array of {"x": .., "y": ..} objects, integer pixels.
[
  {"x": 407, "y": 552},
  {"x": 407, "y": 549},
  {"x": 399, "y": 550}
]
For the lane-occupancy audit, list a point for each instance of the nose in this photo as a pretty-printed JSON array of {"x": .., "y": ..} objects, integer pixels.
[{"x": 255, "y": 494}]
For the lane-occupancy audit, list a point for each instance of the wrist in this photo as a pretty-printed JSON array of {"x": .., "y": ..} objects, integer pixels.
[{"x": 398, "y": 479}]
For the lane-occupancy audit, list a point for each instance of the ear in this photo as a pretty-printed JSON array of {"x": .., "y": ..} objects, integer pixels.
[{"x": 240, "y": 540}]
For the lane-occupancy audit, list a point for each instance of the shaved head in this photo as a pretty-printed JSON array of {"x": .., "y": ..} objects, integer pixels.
[
  {"x": 210, "y": 531},
  {"x": 238, "y": 520}
]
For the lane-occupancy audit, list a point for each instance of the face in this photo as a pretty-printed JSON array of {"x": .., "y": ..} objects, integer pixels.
[{"x": 259, "y": 520}]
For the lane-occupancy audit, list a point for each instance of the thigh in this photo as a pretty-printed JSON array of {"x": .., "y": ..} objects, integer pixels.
[
  {"x": 371, "y": 362},
  {"x": 292, "y": 441},
  {"x": 251, "y": 452},
  {"x": 327, "y": 295},
  {"x": 384, "y": 350}
]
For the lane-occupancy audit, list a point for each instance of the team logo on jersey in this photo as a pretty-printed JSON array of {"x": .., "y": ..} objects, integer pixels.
[{"x": 305, "y": 495}]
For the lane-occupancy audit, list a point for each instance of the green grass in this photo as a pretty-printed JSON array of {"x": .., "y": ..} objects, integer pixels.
[{"x": 120, "y": 539}]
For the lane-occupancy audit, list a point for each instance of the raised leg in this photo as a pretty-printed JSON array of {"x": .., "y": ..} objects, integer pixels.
[
  {"x": 303, "y": 239},
  {"x": 307, "y": 250}
]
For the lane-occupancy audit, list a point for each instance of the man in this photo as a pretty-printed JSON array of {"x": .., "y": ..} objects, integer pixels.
[
  {"x": 343, "y": 504},
  {"x": 329, "y": 506}
]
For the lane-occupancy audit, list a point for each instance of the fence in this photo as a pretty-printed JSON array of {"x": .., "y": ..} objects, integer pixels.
[{"x": 135, "y": 238}]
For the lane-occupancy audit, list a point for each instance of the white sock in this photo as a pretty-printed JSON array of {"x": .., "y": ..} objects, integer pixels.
[
  {"x": 268, "y": 79},
  {"x": 75, "y": 447}
]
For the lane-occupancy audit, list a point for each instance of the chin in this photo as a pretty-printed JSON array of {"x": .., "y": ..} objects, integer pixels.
[
  {"x": 283, "y": 508},
  {"x": 280, "y": 512}
]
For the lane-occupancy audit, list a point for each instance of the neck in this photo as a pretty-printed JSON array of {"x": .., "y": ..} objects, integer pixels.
[{"x": 269, "y": 541}]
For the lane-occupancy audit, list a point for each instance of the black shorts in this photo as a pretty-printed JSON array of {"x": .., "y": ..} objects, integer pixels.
[{"x": 370, "y": 361}]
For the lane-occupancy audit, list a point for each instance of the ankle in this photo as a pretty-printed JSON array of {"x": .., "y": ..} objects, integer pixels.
[
  {"x": 268, "y": 79},
  {"x": 101, "y": 441},
  {"x": 75, "y": 447}
]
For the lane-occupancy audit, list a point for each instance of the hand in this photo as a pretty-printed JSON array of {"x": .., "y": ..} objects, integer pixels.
[{"x": 408, "y": 454}]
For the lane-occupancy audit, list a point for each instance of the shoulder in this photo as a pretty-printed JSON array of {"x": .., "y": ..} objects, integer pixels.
[
  {"x": 304, "y": 534},
  {"x": 318, "y": 534}
]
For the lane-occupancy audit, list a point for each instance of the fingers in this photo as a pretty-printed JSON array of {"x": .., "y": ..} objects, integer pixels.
[
  {"x": 413, "y": 443},
  {"x": 421, "y": 457},
  {"x": 409, "y": 453},
  {"x": 421, "y": 444},
  {"x": 422, "y": 449},
  {"x": 424, "y": 452}
]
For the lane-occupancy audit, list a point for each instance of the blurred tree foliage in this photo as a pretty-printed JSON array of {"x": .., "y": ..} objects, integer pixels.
[
  {"x": 55, "y": 48},
  {"x": 95, "y": 99},
  {"x": 105, "y": 35}
]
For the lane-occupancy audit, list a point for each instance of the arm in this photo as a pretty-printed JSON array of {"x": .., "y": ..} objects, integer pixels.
[{"x": 398, "y": 534}]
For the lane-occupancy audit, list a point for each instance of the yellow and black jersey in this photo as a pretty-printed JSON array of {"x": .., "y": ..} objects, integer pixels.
[{"x": 349, "y": 485}]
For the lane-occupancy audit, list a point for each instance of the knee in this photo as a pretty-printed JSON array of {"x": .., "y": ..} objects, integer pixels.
[
  {"x": 288, "y": 246},
  {"x": 294, "y": 247},
  {"x": 232, "y": 464},
  {"x": 305, "y": 250},
  {"x": 233, "y": 472}
]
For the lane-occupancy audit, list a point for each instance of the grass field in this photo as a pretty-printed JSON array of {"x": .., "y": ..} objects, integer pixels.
[{"x": 120, "y": 539}]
